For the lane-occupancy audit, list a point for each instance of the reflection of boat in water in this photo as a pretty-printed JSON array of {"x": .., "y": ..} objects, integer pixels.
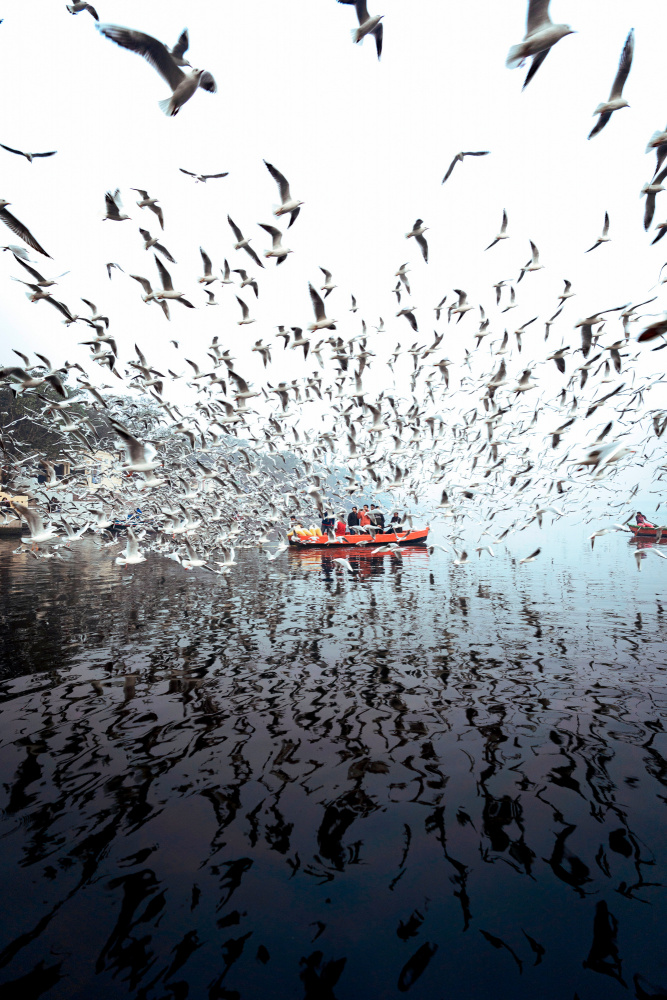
[
  {"x": 644, "y": 534},
  {"x": 362, "y": 558},
  {"x": 360, "y": 541}
]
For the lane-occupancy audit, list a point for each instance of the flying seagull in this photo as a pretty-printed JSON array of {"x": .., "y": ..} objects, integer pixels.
[
  {"x": 242, "y": 243},
  {"x": 368, "y": 25},
  {"x": 29, "y": 156},
  {"x": 418, "y": 231},
  {"x": 502, "y": 235},
  {"x": 277, "y": 250},
  {"x": 616, "y": 100},
  {"x": 289, "y": 205},
  {"x": 113, "y": 207},
  {"x": 459, "y": 159},
  {"x": 605, "y": 237},
  {"x": 541, "y": 35},
  {"x": 158, "y": 55},
  {"x": 19, "y": 229},
  {"x": 203, "y": 177}
]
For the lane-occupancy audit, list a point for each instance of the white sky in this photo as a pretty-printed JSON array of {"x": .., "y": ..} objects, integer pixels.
[{"x": 365, "y": 145}]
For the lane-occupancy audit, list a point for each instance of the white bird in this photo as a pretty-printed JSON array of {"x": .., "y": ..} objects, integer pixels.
[
  {"x": 541, "y": 35},
  {"x": 368, "y": 25},
  {"x": 113, "y": 207},
  {"x": 604, "y": 238},
  {"x": 531, "y": 558},
  {"x": 289, "y": 205},
  {"x": 18, "y": 228},
  {"x": 152, "y": 203},
  {"x": 242, "y": 243},
  {"x": 246, "y": 313},
  {"x": 418, "y": 231},
  {"x": 345, "y": 563},
  {"x": 616, "y": 100},
  {"x": 168, "y": 291},
  {"x": 140, "y": 455},
  {"x": 202, "y": 178},
  {"x": 183, "y": 85},
  {"x": 502, "y": 235},
  {"x": 132, "y": 554},
  {"x": 321, "y": 321},
  {"x": 38, "y": 533},
  {"x": 277, "y": 250},
  {"x": 29, "y": 156}
]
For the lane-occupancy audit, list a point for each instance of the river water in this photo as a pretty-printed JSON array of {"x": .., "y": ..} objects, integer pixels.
[{"x": 294, "y": 781}]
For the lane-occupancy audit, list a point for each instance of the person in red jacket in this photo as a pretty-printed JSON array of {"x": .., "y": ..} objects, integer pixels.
[
  {"x": 364, "y": 517},
  {"x": 341, "y": 527},
  {"x": 642, "y": 522}
]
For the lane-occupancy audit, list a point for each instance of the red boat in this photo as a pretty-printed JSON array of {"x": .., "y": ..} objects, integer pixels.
[
  {"x": 400, "y": 537},
  {"x": 641, "y": 531}
]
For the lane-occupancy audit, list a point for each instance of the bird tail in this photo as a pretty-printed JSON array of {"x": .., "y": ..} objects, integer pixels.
[
  {"x": 165, "y": 106},
  {"x": 355, "y": 35},
  {"x": 515, "y": 57}
]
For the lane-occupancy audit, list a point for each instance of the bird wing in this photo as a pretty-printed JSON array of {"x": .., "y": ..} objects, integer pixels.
[
  {"x": 21, "y": 231},
  {"x": 623, "y": 66},
  {"x": 208, "y": 83},
  {"x": 165, "y": 277},
  {"x": 50, "y": 153},
  {"x": 10, "y": 150},
  {"x": 450, "y": 168},
  {"x": 246, "y": 311},
  {"x": 275, "y": 233},
  {"x": 112, "y": 207},
  {"x": 158, "y": 211},
  {"x": 424, "y": 246},
  {"x": 605, "y": 228},
  {"x": 600, "y": 124},
  {"x": 36, "y": 275},
  {"x": 280, "y": 180},
  {"x": 538, "y": 15},
  {"x": 379, "y": 35},
  {"x": 534, "y": 66},
  {"x": 318, "y": 305},
  {"x": 251, "y": 252},
  {"x": 188, "y": 172},
  {"x": 153, "y": 51},
  {"x": 144, "y": 282},
  {"x": 208, "y": 269},
  {"x": 210, "y": 177},
  {"x": 235, "y": 229},
  {"x": 182, "y": 45}
]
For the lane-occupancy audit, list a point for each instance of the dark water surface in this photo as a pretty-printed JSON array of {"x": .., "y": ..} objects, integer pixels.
[{"x": 295, "y": 783}]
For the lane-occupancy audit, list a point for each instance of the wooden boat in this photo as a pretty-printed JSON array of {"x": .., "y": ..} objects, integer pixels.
[
  {"x": 401, "y": 538},
  {"x": 640, "y": 531}
]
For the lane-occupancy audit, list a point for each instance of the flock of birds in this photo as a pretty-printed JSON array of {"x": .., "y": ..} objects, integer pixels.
[{"x": 232, "y": 466}]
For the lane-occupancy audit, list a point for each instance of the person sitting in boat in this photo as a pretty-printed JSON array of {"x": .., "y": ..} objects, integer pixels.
[
  {"x": 396, "y": 522},
  {"x": 353, "y": 521},
  {"x": 328, "y": 523},
  {"x": 364, "y": 518},
  {"x": 642, "y": 522},
  {"x": 341, "y": 528},
  {"x": 377, "y": 517}
]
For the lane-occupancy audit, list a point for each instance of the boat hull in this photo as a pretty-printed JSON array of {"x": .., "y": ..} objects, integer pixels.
[
  {"x": 350, "y": 541},
  {"x": 642, "y": 532}
]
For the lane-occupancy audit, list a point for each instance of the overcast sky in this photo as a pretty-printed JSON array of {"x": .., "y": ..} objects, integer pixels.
[{"x": 364, "y": 144}]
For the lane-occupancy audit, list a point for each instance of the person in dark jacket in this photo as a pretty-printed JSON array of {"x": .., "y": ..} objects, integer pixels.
[
  {"x": 377, "y": 517},
  {"x": 353, "y": 521},
  {"x": 328, "y": 523}
]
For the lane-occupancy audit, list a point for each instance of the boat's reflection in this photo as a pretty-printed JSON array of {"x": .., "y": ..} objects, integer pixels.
[{"x": 363, "y": 560}]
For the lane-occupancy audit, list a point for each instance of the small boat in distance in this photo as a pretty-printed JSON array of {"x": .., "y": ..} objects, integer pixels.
[
  {"x": 417, "y": 537},
  {"x": 641, "y": 531}
]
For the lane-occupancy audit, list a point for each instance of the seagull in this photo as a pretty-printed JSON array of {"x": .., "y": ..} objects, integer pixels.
[
  {"x": 113, "y": 207},
  {"x": 202, "y": 178},
  {"x": 418, "y": 231},
  {"x": 242, "y": 243},
  {"x": 38, "y": 533},
  {"x": 207, "y": 278},
  {"x": 328, "y": 285},
  {"x": 151, "y": 203},
  {"x": 616, "y": 101},
  {"x": 502, "y": 235},
  {"x": 77, "y": 8},
  {"x": 132, "y": 552},
  {"x": 651, "y": 189},
  {"x": 346, "y": 562},
  {"x": 149, "y": 294},
  {"x": 158, "y": 55},
  {"x": 29, "y": 156},
  {"x": 321, "y": 321},
  {"x": 111, "y": 265},
  {"x": 541, "y": 35},
  {"x": 140, "y": 455},
  {"x": 245, "y": 280},
  {"x": 531, "y": 558},
  {"x": 367, "y": 25},
  {"x": 277, "y": 250},
  {"x": 289, "y": 205},
  {"x": 605, "y": 238},
  {"x": 167, "y": 286},
  {"x": 533, "y": 264},
  {"x": 459, "y": 159},
  {"x": 38, "y": 278},
  {"x": 153, "y": 241},
  {"x": 408, "y": 313},
  {"x": 246, "y": 313}
]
